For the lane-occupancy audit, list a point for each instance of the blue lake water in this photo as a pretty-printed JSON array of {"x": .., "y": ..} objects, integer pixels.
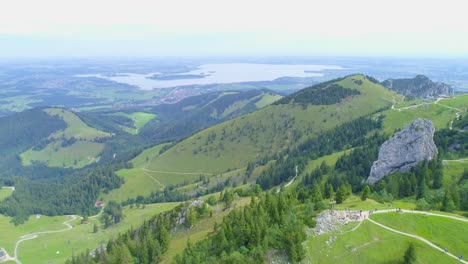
[{"x": 220, "y": 73}]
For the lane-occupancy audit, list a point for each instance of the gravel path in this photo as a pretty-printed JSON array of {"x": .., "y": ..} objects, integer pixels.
[
  {"x": 332, "y": 220},
  {"x": 36, "y": 234},
  {"x": 418, "y": 238}
]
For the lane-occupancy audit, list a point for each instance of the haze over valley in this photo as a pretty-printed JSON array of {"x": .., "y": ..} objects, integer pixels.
[{"x": 233, "y": 132}]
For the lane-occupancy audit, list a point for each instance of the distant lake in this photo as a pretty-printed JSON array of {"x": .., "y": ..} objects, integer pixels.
[{"x": 218, "y": 73}]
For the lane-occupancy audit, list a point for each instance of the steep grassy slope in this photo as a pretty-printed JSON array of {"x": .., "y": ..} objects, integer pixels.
[
  {"x": 21, "y": 131},
  {"x": 369, "y": 243},
  {"x": 234, "y": 143},
  {"x": 139, "y": 120},
  {"x": 195, "y": 113},
  {"x": 137, "y": 180},
  {"x": 140, "y": 127},
  {"x": 72, "y": 147},
  {"x": 444, "y": 232},
  {"x": 76, "y": 127}
]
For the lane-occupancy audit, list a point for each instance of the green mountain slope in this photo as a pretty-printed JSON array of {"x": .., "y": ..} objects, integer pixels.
[
  {"x": 73, "y": 147},
  {"x": 232, "y": 144},
  {"x": 21, "y": 131},
  {"x": 137, "y": 128},
  {"x": 198, "y": 112}
]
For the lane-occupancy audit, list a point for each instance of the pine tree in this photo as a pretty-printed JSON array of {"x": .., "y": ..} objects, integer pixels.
[
  {"x": 328, "y": 191},
  {"x": 410, "y": 255},
  {"x": 340, "y": 194},
  {"x": 365, "y": 193},
  {"x": 163, "y": 237},
  {"x": 422, "y": 189},
  {"x": 316, "y": 194},
  {"x": 95, "y": 228},
  {"x": 447, "y": 204}
]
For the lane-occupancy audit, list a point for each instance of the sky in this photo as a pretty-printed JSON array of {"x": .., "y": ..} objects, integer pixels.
[{"x": 30, "y": 28}]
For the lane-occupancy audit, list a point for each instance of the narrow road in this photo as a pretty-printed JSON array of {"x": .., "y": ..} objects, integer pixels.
[
  {"x": 457, "y": 160},
  {"x": 289, "y": 183},
  {"x": 365, "y": 216},
  {"x": 36, "y": 234},
  {"x": 182, "y": 173},
  {"x": 154, "y": 179},
  {"x": 457, "y": 114},
  {"x": 419, "y": 238},
  {"x": 423, "y": 213}
]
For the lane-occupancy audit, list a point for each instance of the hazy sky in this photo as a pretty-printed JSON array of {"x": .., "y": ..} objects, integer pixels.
[{"x": 234, "y": 27}]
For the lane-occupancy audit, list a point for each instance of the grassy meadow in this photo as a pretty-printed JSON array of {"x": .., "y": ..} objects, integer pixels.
[
  {"x": 443, "y": 232},
  {"x": 77, "y": 155},
  {"x": 368, "y": 243},
  {"x": 58, "y": 247}
]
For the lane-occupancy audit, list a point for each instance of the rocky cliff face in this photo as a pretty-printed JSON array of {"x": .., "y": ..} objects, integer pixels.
[
  {"x": 418, "y": 87},
  {"x": 404, "y": 150}
]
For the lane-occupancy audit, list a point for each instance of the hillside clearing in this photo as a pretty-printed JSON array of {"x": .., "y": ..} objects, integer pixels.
[
  {"x": 75, "y": 126},
  {"x": 78, "y": 155},
  {"x": 140, "y": 119},
  {"x": 5, "y": 192}
]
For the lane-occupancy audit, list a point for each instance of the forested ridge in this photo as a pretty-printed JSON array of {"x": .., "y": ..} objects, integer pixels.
[
  {"x": 144, "y": 244},
  {"x": 326, "y": 93},
  {"x": 348, "y": 135},
  {"x": 268, "y": 223},
  {"x": 21, "y": 131},
  {"x": 71, "y": 194}
]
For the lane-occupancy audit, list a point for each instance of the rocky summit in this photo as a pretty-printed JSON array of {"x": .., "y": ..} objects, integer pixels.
[
  {"x": 404, "y": 150},
  {"x": 419, "y": 87}
]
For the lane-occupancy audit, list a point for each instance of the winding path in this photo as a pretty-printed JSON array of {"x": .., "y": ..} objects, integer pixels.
[
  {"x": 366, "y": 217},
  {"x": 418, "y": 238},
  {"x": 36, "y": 234},
  {"x": 181, "y": 173},
  {"x": 457, "y": 113},
  {"x": 457, "y": 160}
]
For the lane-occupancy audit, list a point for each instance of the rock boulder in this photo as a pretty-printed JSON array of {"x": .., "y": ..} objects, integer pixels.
[{"x": 413, "y": 144}]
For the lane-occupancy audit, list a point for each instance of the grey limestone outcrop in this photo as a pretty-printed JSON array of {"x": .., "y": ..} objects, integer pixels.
[
  {"x": 404, "y": 150},
  {"x": 419, "y": 87}
]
